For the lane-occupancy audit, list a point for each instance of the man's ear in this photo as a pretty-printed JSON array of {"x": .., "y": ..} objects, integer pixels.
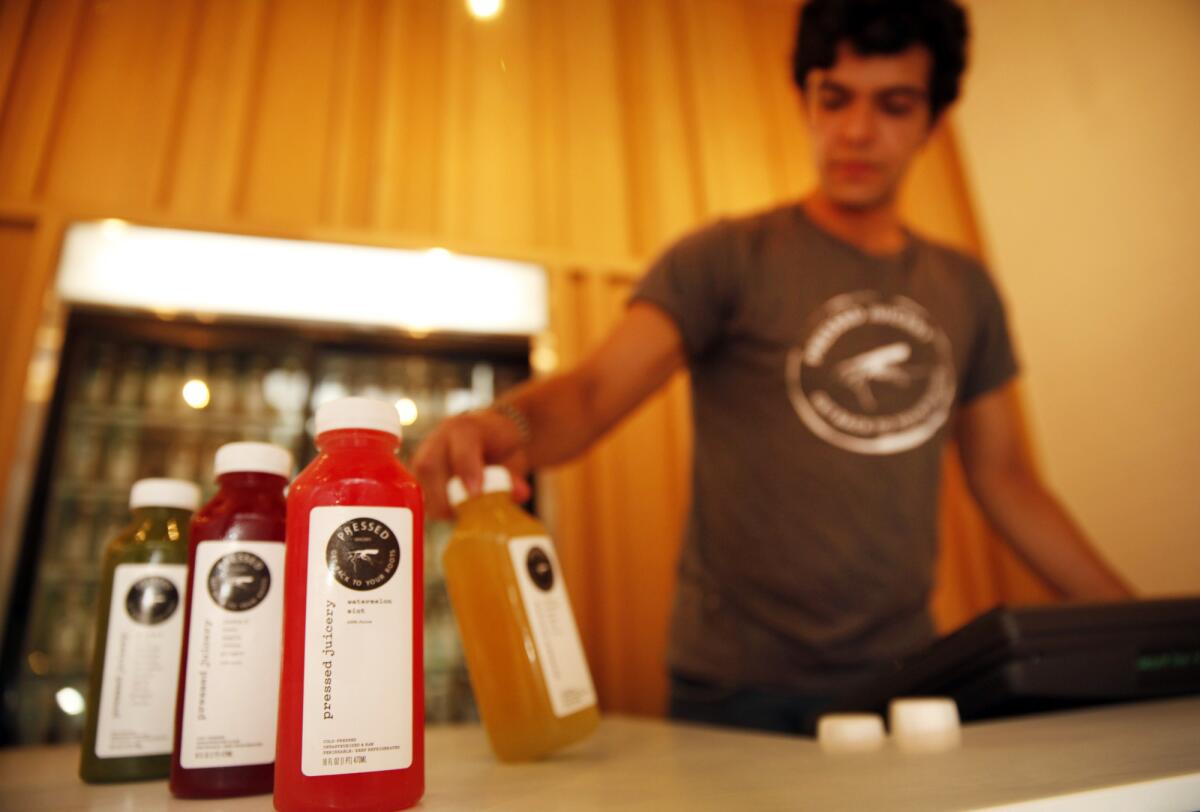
[{"x": 936, "y": 124}]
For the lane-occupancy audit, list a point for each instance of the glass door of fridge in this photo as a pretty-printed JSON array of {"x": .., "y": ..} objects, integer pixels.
[
  {"x": 134, "y": 399},
  {"x": 140, "y": 397}
]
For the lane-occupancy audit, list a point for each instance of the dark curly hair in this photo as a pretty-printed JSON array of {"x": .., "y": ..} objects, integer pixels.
[{"x": 885, "y": 27}]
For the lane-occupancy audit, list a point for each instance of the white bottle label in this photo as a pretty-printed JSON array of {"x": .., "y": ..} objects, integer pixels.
[
  {"x": 358, "y": 641},
  {"x": 141, "y": 661},
  {"x": 555, "y": 635},
  {"x": 231, "y": 696}
]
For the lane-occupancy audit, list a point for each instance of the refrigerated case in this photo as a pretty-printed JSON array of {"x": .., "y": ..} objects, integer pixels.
[{"x": 140, "y": 395}]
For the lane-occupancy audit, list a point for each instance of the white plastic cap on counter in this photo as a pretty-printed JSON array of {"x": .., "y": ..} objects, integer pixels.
[
  {"x": 358, "y": 413},
  {"x": 925, "y": 725},
  {"x": 850, "y": 732},
  {"x": 249, "y": 457},
  {"x": 496, "y": 479},
  {"x": 164, "y": 493}
]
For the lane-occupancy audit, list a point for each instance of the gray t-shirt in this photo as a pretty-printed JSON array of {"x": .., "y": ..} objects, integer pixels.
[{"x": 824, "y": 382}]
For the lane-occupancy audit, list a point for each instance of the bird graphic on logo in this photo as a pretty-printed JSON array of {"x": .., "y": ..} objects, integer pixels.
[
  {"x": 151, "y": 600},
  {"x": 361, "y": 556},
  {"x": 231, "y": 585},
  {"x": 880, "y": 364}
]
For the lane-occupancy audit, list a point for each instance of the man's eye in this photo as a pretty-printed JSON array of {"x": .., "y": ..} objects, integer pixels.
[
  {"x": 833, "y": 101},
  {"x": 897, "y": 109},
  {"x": 898, "y": 105}
]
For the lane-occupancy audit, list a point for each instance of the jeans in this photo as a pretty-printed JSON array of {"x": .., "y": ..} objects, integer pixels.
[{"x": 696, "y": 700}]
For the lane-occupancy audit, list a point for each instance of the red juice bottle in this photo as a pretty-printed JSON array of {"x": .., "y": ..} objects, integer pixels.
[
  {"x": 233, "y": 627},
  {"x": 351, "y": 703}
]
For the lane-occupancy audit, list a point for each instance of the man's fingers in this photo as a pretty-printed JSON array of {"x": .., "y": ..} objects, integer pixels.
[
  {"x": 459, "y": 448},
  {"x": 465, "y": 455},
  {"x": 521, "y": 490},
  {"x": 429, "y": 466},
  {"x": 518, "y": 469}
]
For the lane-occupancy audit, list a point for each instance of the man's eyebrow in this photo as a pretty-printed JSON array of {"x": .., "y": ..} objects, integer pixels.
[
  {"x": 911, "y": 91},
  {"x": 829, "y": 84},
  {"x": 914, "y": 92}
]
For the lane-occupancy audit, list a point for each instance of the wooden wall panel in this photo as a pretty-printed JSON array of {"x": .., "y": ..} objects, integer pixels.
[
  {"x": 663, "y": 176},
  {"x": 286, "y": 169},
  {"x": 487, "y": 129},
  {"x": 16, "y": 247},
  {"x": 590, "y": 181},
  {"x": 586, "y": 134},
  {"x": 215, "y": 111},
  {"x": 109, "y": 138},
  {"x": 40, "y": 75},
  {"x": 720, "y": 49},
  {"x": 415, "y": 70},
  {"x": 788, "y": 148},
  {"x": 15, "y": 16},
  {"x": 351, "y": 164},
  {"x": 26, "y": 251},
  {"x": 620, "y": 560}
]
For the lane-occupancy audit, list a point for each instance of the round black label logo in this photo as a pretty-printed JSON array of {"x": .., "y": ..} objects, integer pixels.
[
  {"x": 540, "y": 569},
  {"x": 363, "y": 554},
  {"x": 152, "y": 600},
  {"x": 239, "y": 581}
]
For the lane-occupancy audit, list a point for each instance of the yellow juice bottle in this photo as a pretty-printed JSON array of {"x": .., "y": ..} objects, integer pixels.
[{"x": 526, "y": 661}]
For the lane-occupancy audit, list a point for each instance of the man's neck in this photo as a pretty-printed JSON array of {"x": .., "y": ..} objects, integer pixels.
[{"x": 875, "y": 230}]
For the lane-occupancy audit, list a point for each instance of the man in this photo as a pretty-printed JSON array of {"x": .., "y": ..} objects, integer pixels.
[{"x": 832, "y": 353}]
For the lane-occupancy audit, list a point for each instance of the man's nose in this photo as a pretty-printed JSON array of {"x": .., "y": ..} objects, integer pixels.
[{"x": 858, "y": 124}]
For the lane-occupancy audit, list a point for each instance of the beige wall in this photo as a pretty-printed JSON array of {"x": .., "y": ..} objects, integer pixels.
[{"x": 1080, "y": 132}]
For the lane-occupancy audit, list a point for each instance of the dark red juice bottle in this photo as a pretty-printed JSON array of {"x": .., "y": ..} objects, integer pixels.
[
  {"x": 351, "y": 700},
  {"x": 229, "y": 671}
]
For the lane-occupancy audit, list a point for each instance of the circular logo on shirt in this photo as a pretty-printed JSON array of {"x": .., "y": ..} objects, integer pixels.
[
  {"x": 540, "y": 570},
  {"x": 239, "y": 581},
  {"x": 151, "y": 600},
  {"x": 363, "y": 554},
  {"x": 874, "y": 375}
]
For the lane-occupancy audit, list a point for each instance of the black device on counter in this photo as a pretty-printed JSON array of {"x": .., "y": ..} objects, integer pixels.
[{"x": 1016, "y": 660}]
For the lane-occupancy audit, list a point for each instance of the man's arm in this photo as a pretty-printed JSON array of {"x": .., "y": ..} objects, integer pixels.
[
  {"x": 565, "y": 413},
  {"x": 1006, "y": 485}
]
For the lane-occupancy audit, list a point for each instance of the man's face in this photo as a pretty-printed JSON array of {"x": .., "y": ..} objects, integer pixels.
[{"x": 869, "y": 116}]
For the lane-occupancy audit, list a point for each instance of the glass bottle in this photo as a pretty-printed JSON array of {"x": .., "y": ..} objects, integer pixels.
[
  {"x": 523, "y": 650},
  {"x": 131, "y": 690},
  {"x": 233, "y": 625},
  {"x": 351, "y": 708}
]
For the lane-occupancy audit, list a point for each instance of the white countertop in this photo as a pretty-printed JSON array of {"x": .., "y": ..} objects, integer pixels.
[{"x": 1144, "y": 756}]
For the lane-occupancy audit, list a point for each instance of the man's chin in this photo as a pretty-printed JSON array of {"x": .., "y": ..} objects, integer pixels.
[{"x": 858, "y": 199}]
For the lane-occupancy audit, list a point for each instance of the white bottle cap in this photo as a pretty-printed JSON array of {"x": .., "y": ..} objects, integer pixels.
[
  {"x": 358, "y": 413},
  {"x": 496, "y": 479},
  {"x": 925, "y": 725},
  {"x": 165, "y": 493},
  {"x": 261, "y": 458},
  {"x": 850, "y": 732}
]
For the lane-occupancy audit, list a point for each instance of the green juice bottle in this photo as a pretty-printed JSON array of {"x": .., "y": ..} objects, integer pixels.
[{"x": 139, "y": 626}]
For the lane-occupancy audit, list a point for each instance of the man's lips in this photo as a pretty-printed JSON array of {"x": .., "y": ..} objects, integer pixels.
[{"x": 854, "y": 169}]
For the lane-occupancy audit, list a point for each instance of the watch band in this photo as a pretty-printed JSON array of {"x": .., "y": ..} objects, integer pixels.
[{"x": 517, "y": 418}]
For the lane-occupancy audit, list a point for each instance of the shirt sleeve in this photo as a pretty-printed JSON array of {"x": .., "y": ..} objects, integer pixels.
[
  {"x": 992, "y": 361},
  {"x": 695, "y": 283}
]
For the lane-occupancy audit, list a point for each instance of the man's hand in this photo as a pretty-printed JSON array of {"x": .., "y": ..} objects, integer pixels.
[
  {"x": 565, "y": 413},
  {"x": 461, "y": 446}
]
